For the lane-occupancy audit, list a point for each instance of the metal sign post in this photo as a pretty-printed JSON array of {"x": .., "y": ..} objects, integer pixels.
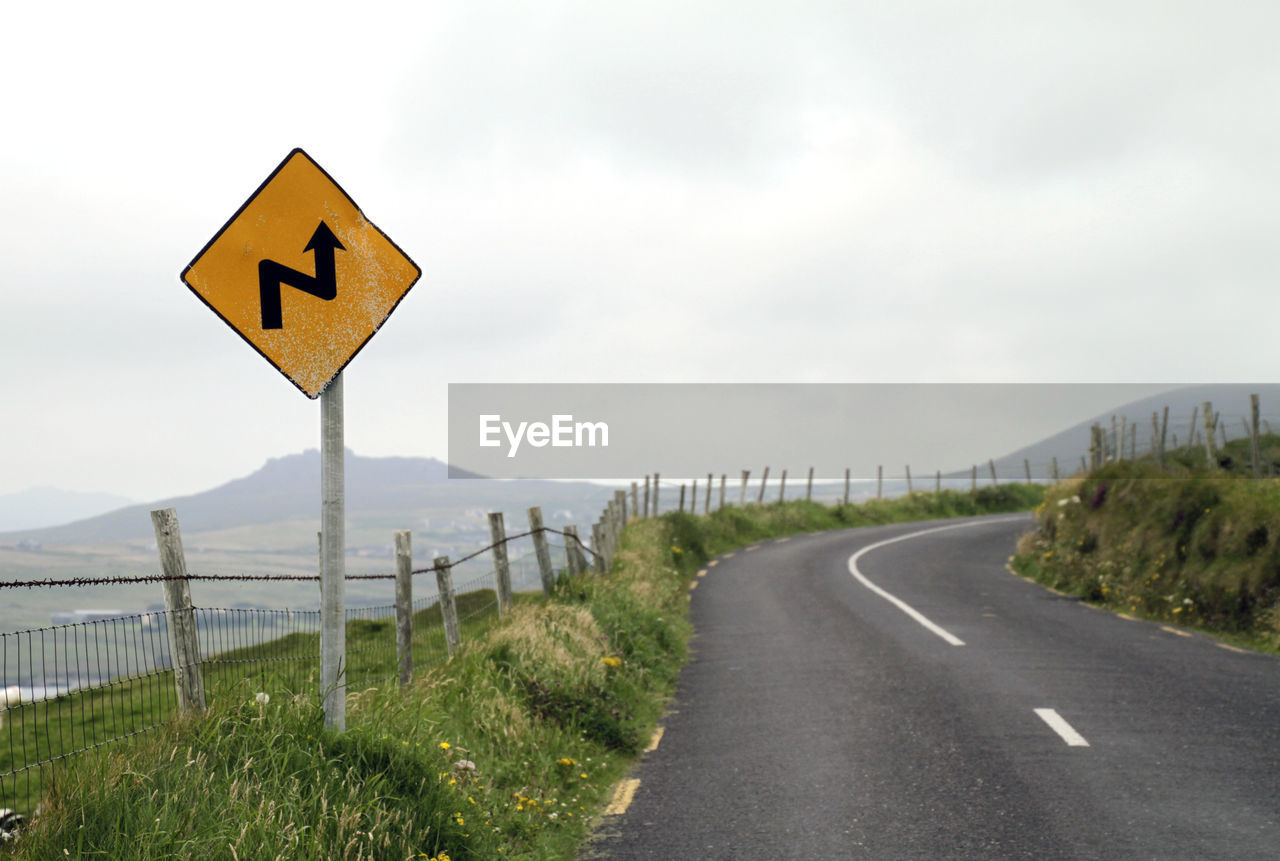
[{"x": 333, "y": 584}]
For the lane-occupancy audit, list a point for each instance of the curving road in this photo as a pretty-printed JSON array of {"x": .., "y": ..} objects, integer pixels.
[{"x": 919, "y": 701}]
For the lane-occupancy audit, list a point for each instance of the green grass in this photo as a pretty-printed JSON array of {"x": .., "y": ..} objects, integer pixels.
[
  {"x": 507, "y": 750},
  {"x": 1179, "y": 545}
]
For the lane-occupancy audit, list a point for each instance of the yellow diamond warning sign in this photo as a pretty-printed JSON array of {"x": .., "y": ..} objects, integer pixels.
[{"x": 301, "y": 274}]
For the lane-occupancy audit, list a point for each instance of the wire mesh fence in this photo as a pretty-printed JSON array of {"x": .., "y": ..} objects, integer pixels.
[{"x": 72, "y": 688}]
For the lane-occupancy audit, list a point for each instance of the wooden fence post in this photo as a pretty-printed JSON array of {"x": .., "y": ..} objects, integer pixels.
[
  {"x": 937, "y": 483},
  {"x": 184, "y": 650},
  {"x": 448, "y": 605},
  {"x": 1124, "y": 430},
  {"x": 1026, "y": 466},
  {"x": 693, "y": 497},
  {"x": 501, "y": 561},
  {"x": 973, "y": 480},
  {"x": 644, "y": 512},
  {"x": 706, "y": 508},
  {"x": 910, "y": 489},
  {"x": 655, "y": 494},
  {"x": 1210, "y": 461},
  {"x": 1055, "y": 468},
  {"x": 808, "y": 491},
  {"x": 570, "y": 560},
  {"x": 1164, "y": 429},
  {"x": 723, "y": 479},
  {"x": 992, "y": 464},
  {"x": 782, "y": 487},
  {"x": 682, "y": 489},
  {"x": 879, "y": 482},
  {"x": 1255, "y": 454},
  {"x": 635, "y": 500},
  {"x": 1133, "y": 440},
  {"x": 847, "y": 472},
  {"x": 542, "y": 550},
  {"x": 620, "y": 497},
  {"x": 742, "y": 494},
  {"x": 573, "y": 550},
  {"x": 404, "y": 605},
  {"x": 597, "y": 545}
]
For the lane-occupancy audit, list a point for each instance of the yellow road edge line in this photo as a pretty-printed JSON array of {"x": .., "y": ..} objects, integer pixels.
[
  {"x": 752, "y": 547},
  {"x": 693, "y": 585},
  {"x": 1174, "y": 631},
  {"x": 781, "y": 540},
  {"x": 622, "y": 795},
  {"x": 1230, "y": 648},
  {"x": 1126, "y": 617},
  {"x": 702, "y": 573},
  {"x": 653, "y": 742},
  {"x": 713, "y": 563},
  {"x": 728, "y": 556}
]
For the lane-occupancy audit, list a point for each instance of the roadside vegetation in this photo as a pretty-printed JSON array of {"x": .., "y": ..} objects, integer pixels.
[
  {"x": 1177, "y": 544},
  {"x": 509, "y": 749}
]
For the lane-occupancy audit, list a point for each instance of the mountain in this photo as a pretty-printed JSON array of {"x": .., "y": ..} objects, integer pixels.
[
  {"x": 1230, "y": 401},
  {"x": 38, "y": 507},
  {"x": 288, "y": 489}
]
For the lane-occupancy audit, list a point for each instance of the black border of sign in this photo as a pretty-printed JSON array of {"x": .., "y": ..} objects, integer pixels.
[{"x": 194, "y": 260}]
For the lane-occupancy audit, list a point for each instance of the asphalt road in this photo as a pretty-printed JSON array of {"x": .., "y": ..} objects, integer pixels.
[{"x": 820, "y": 719}]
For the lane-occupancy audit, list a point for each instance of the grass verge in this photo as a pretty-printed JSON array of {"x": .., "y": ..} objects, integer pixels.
[{"x": 1186, "y": 547}]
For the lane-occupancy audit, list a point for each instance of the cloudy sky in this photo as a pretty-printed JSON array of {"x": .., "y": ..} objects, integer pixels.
[{"x": 627, "y": 192}]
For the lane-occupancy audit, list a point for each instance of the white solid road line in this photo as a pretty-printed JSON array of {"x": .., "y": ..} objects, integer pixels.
[
  {"x": 898, "y": 602},
  {"x": 1061, "y": 727}
]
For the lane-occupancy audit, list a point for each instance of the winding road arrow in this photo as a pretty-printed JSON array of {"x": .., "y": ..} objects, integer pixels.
[{"x": 323, "y": 285}]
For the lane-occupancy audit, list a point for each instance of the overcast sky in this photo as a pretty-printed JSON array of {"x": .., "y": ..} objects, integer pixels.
[{"x": 605, "y": 191}]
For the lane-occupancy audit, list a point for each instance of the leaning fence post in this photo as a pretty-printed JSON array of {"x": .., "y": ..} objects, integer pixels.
[
  {"x": 742, "y": 494},
  {"x": 635, "y": 499},
  {"x": 846, "y": 485},
  {"x": 404, "y": 605},
  {"x": 183, "y": 648},
  {"x": 1026, "y": 467},
  {"x": 706, "y": 508},
  {"x": 682, "y": 498},
  {"x": 723, "y": 478},
  {"x": 763, "y": 481},
  {"x": 909, "y": 488},
  {"x": 992, "y": 464},
  {"x": 808, "y": 492},
  {"x": 542, "y": 550},
  {"x": 655, "y": 494},
  {"x": 693, "y": 497},
  {"x": 644, "y": 512},
  {"x": 782, "y": 487},
  {"x": 501, "y": 561},
  {"x": 448, "y": 606}
]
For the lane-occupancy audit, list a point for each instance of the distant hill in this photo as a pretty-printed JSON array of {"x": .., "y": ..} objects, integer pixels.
[
  {"x": 1231, "y": 401},
  {"x": 288, "y": 488},
  {"x": 37, "y": 507}
]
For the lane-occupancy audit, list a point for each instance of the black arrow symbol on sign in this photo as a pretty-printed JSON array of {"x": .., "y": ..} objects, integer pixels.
[{"x": 323, "y": 285}]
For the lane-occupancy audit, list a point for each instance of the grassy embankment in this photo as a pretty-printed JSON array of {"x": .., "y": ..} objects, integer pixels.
[
  {"x": 506, "y": 750},
  {"x": 1178, "y": 544}
]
